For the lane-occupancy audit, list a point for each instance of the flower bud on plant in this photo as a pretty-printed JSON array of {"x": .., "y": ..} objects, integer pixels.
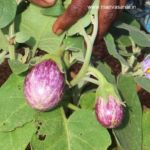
[
  {"x": 109, "y": 113},
  {"x": 44, "y": 85},
  {"x": 109, "y": 108},
  {"x": 146, "y": 66}
]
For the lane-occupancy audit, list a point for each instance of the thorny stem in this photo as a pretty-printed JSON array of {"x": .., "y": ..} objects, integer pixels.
[{"x": 89, "y": 41}]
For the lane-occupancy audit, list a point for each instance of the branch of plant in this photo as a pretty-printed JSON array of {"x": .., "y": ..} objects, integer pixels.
[
  {"x": 90, "y": 42},
  {"x": 96, "y": 73},
  {"x": 11, "y": 47},
  {"x": 11, "y": 40},
  {"x": 135, "y": 49},
  {"x": 91, "y": 80},
  {"x": 73, "y": 107},
  {"x": 132, "y": 60},
  {"x": 66, "y": 59},
  {"x": 34, "y": 49}
]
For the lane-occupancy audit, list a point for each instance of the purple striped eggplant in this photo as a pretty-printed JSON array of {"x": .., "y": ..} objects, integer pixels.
[{"x": 43, "y": 86}]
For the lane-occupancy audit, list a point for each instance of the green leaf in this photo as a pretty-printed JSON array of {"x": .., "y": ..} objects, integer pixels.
[
  {"x": 87, "y": 100},
  {"x": 77, "y": 46},
  {"x": 106, "y": 71},
  {"x": 13, "y": 108},
  {"x": 17, "y": 67},
  {"x": 80, "y": 132},
  {"x": 124, "y": 41},
  {"x": 143, "y": 82},
  {"x": 146, "y": 130},
  {"x": 129, "y": 135},
  {"x": 17, "y": 139},
  {"x": 129, "y": 19},
  {"x": 79, "y": 25},
  {"x": 7, "y": 12},
  {"x": 122, "y": 35},
  {"x": 140, "y": 38},
  {"x": 56, "y": 10},
  {"x": 113, "y": 51},
  {"x": 74, "y": 43},
  {"x": 21, "y": 37},
  {"x": 3, "y": 41},
  {"x": 39, "y": 28}
]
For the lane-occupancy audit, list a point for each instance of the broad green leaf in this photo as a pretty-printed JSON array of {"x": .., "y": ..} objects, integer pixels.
[
  {"x": 39, "y": 27},
  {"x": 146, "y": 130},
  {"x": 14, "y": 111},
  {"x": 106, "y": 71},
  {"x": 3, "y": 41},
  {"x": 55, "y": 10},
  {"x": 113, "y": 51},
  {"x": 17, "y": 67},
  {"x": 87, "y": 100},
  {"x": 84, "y": 128},
  {"x": 129, "y": 134},
  {"x": 80, "y": 132},
  {"x": 74, "y": 43},
  {"x": 129, "y": 19},
  {"x": 122, "y": 35},
  {"x": 112, "y": 48},
  {"x": 139, "y": 37},
  {"x": 7, "y": 12},
  {"x": 124, "y": 41},
  {"x": 17, "y": 139},
  {"x": 79, "y": 25},
  {"x": 77, "y": 46},
  {"x": 143, "y": 82},
  {"x": 21, "y": 37}
]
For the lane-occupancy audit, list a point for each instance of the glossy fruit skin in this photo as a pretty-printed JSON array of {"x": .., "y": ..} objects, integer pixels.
[
  {"x": 43, "y": 86},
  {"x": 109, "y": 113}
]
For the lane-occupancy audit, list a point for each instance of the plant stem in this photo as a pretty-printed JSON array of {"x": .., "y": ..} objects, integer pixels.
[
  {"x": 84, "y": 68},
  {"x": 96, "y": 82},
  {"x": 11, "y": 47},
  {"x": 12, "y": 30},
  {"x": 11, "y": 52},
  {"x": 89, "y": 41},
  {"x": 73, "y": 107},
  {"x": 93, "y": 71},
  {"x": 34, "y": 50}
]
